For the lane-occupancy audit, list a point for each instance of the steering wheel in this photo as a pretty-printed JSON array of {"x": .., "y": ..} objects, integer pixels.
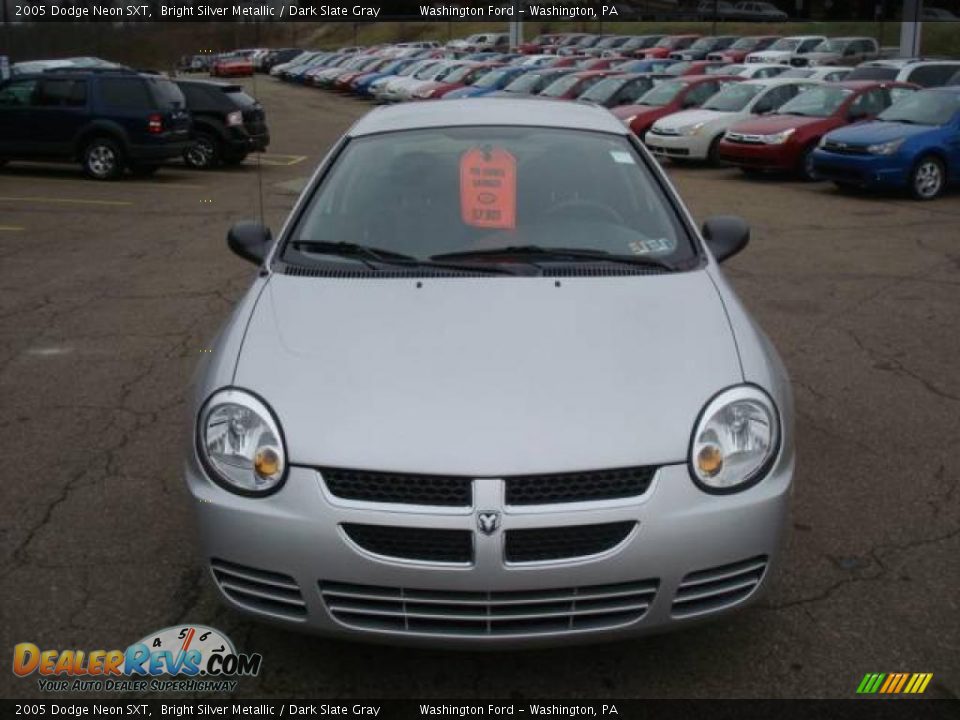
[{"x": 585, "y": 210}]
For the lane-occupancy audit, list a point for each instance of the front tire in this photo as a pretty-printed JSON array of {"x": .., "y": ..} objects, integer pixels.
[
  {"x": 713, "y": 154},
  {"x": 102, "y": 159},
  {"x": 205, "y": 153},
  {"x": 927, "y": 178},
  {"x": 806, "y": 169}
]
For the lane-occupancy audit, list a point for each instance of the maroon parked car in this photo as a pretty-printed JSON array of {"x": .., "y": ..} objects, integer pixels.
[
  {"x": 670, "y": 96},
  {"x": 573, "y": 84},
  {"x": 786, "y": 141}
]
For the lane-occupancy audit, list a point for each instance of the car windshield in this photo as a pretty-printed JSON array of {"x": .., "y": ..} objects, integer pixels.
[
  {"x": 704, "y": 43},
  {"x": 528, "y": 82},
  {"x": 665, "y": 42},
  {"x": 240, "y": 97},
  {"x": 678, "y": 69},
  {"x": 785, "y": 44},
  {"x": 602, "y": 91},
  {"x": 491, "y": 78},
  {"x": 561, "y": 86},
  {"x": 818, "y": 101},
  {"x": 797, "y": 73},
  {"x": 733, "y": 98},
  {"x": 422, "y": 193},
  {"x": 873, "y": 73},
  {"x": 930, "y": 107},
  {"x": 460, "y": 73},
  {"x": 662, "y": 94},
  {"x": 834, "y": 45},
  {"x": 744, "y": 44},
  {"x": 726, "y": 70}
]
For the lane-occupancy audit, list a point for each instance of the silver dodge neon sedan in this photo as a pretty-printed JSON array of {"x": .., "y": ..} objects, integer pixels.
[{"x": 489, "y": 387}]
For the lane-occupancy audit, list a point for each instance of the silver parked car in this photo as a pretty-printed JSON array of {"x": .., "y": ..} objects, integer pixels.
[{"x": 490, "y": 387}]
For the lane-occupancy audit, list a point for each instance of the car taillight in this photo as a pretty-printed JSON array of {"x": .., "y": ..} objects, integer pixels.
[{"x": 155, "y": 123}]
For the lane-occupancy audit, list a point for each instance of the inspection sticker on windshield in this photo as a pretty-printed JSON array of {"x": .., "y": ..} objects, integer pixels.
[
  {"x": 624, "y": 158},
  {"x": 488, "y": 188}
]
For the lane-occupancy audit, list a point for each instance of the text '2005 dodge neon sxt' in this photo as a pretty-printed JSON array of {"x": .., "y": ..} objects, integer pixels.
[{"x": 489, "y": 387}]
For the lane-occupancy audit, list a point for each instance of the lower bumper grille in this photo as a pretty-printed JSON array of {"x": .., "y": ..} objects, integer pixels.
[
  {"x": 413, "y": 543},
  {"x": 398, "y": 488},
  {"x": 705, "y": 591},
  {"x": 578, "y": 487},
  {"x": 260, "y": 590},
  {"x": 558, "y": 543},
  {"x": 525, "y": 612}
]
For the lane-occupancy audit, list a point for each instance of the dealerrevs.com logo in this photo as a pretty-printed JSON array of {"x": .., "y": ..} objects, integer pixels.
[{"x": 187, "y": 658}]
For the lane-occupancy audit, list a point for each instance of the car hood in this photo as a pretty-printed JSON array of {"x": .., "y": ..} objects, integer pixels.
[
  {"x": 771, "y": 124},
  {"x": 488, "y": 376},
  {"x": 870, "y": 133},
  {"x": 692, "y": 117}
]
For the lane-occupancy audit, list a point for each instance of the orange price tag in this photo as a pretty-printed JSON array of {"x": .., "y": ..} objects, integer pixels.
[{"x": 488, "y": 188}]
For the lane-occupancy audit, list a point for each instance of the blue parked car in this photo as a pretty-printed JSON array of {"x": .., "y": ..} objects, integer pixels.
[
  {"x": 491, "y": 82},
  {"x": 362, "y": 85},
  {"x": 913, "y": 144}
]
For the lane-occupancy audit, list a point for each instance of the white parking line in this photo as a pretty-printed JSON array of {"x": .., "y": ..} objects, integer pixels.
[{"x": 274, "y": 159}]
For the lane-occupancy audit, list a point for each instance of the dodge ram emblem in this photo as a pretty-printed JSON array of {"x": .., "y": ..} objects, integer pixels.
[{"x": 488, "y": 522}]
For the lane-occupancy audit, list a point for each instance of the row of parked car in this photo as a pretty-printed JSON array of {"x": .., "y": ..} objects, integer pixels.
[
  {"x": 760, "y": 110},
  {"x": 113, "y": 119}
]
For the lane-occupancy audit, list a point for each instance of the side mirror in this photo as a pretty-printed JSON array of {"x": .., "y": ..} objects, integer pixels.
[
  {"x": 726, "y": 235},
  {"x": 250, "y": 240}
]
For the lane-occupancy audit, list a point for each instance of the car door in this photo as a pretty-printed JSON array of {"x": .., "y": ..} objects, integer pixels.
[
  {"x": 16, "y": 117},
  {"x": 60, "y": 113}
]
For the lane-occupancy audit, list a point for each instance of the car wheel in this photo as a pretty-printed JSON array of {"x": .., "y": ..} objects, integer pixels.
[
  {"x": 713, "y": 154},
  {"x": 102, "y": 159},
  {"x": 927, "y": 178},
  {"x": 806, "y": 168},
  {"x": 204, "y": 153},
  {"x": 144, "y": 170}
]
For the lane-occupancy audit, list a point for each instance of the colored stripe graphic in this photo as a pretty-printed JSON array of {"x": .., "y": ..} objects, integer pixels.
[{"x": 894, "y": 683}]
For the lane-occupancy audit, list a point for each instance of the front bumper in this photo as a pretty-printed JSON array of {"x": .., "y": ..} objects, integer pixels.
[
  {"x": 691, "y": 556},
  {"x": 759, "y": 155},
  {"x": 692, "y": 147},
  {"x": 862, "y": 170}
]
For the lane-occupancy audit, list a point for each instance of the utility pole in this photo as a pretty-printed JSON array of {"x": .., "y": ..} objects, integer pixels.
[{"x": 516, "y": 25}]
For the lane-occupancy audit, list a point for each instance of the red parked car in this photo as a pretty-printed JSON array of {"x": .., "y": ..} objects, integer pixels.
[
  {"x": 786, "y": 141},
  {"x": 562, "y": 61},
  {"x": 539, "y": 44},
  {"x": 231, "y": 66},
  {"x": 597, "y": 63},
  {"x": 572, "y": 85},
  {"x": 458, "y": 78},
  {"x": 667, "y": 45},
  {"x": 692, "y": 67},
  {"x": 342, "y": 82},
  {"x": 738, "y": 52},
  {"x": 670, "y": 96}
]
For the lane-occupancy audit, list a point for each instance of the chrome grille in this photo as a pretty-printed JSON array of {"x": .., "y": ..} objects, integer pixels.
[
  {"x": 523, "y": 612},
  {"x": 561, "y": 543},
  {"x": 413, "y": 543},
  {"x": 260, "y": 590},
  {"x": 578, "y": 487},
  {"x": 386, "y": 487},
  {"x": 706, "y": 591}
]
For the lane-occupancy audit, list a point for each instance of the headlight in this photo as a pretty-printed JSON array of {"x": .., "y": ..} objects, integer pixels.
[
  {"x": 778, "y": 138},
  {"x": 691, "y": 129},
  {"x": 235, "y": 118},
  {"x": 887, "y": 148},
  {"x": 240, "y": 443},
  {"x": 735, "y": 440}
]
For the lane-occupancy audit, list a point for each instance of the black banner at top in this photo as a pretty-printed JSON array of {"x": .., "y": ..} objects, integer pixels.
[{"x": 770, "y": 11}]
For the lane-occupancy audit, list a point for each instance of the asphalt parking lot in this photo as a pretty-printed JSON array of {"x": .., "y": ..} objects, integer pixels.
[{"x": 109, "y": 292}]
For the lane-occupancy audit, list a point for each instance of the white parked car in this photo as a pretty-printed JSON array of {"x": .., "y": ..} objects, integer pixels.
[
  {"x": 785, "y": 48},
  {"x": 390, "y": 91},
  {"x": 696, "y": 134},
  {"x": 751, "y": 71},
  {"x": 825, "y": 73}
]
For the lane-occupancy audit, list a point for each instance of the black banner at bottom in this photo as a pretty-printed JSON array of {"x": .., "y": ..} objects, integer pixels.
[{"x": 868, "y": 709}]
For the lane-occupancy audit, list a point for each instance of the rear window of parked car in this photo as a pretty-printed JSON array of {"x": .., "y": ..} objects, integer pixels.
[
  {"x": 428, "y": 192},
  {"x": 166, "y": 93},
  {"x": 61, "y": 93},
  {"x": 130, "y": 93}
]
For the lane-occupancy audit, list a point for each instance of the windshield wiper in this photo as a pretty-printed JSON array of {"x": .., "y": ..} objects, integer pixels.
[
  {"x": 556, "y": 253},
  {"x": 369, "y": 255}
]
